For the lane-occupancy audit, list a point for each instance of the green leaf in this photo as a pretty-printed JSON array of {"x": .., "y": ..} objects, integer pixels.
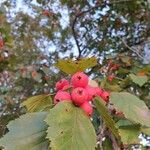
[
  {"x": 140, "y": 80},
  {"x": 38, "y": 103},
  {"x": 133, "y": 108},
  {"x": 107, "y": 145},
  {"x": 124, "y": 122},
  {"x": 26, "y": 133},
  {"x": 128, "y": 131},
  {"x": 70, "y": 128},
  {"x": 112, "y": 87},
  {"x": 146, "y": 69},
  {"x": 70, "y": 67},
  {"x": 129, "y": 134},
  {"x": 100, "y": 106}
]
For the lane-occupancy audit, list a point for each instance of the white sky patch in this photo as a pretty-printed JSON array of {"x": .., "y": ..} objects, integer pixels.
[{"x": 64, "y": 21}]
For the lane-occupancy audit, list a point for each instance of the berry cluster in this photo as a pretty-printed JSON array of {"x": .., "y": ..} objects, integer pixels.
[{"x": 81, "y": 94}]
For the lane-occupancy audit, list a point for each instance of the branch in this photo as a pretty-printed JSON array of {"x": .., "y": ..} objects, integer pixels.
[
  {"x": 73, "y": 27},
  {"x": 100, "y": 136},
  {"x": 75, "y": 36},
  {"x": 131, "y": 48},
  {"x": 113, "y": 140}
]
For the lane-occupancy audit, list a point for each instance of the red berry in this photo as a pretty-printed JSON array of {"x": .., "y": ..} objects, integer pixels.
[
  {"x": 61, "y": 96},
  {"x": 79, "y": 96},
  {"x": 79, "y": 79},
  {"x": 120, "y": 114},
  {"x": 66, "y": 87},
  {"x": 91, "y": 92},
  {"x": 115, "y": 67},
  {"x": 111, "y": 77},
  {"x": 87, "y": 108},
  {"x": 61, "y": 84},
  {"x": 1, "y": 43},
  {"x": 46, "y": 13},
  {"x": 99, "y": 91},
  {"x": 105, "y": 96}
]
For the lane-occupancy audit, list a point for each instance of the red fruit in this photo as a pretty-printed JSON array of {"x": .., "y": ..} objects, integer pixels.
[
  {"x": 115, "y": 67},
  {"x": 46, "y": 13},
  {"x": 105, "y": 96},
  {"x": 111, "y": 77},
  {"x": 91, "y": 92},
  {"x": 120, "y": 114},
  {"x": 66, "y": 87},
  {"x": 1, "y": 43},
  {"x": 79, "y": 96},
  {"x": 61, "y": 96},
  {"x": 61, "y": 84},
  {"x": 87, "y": 108},
  {"x": 79, "y": 79},
  {"x": 99, "y": 91}
]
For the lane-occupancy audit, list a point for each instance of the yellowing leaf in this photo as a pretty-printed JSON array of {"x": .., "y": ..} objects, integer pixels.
[
  {"x": 70, "y": 128},
  {"x": 70, "y": 67},
  {"x": 38, "y": 103}
]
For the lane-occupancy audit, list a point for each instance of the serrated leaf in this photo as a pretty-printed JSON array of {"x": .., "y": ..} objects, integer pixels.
[
  {"x": 70, "y": 128},
  {"x": 100, "y": 106},
  {"x": 133, "y": 108},
  {"x": 38, "y": 103},
  {"x": 70, "y": 67},
  {"x": 140, "y": 80},
  {"x": 26, "y": 133}
]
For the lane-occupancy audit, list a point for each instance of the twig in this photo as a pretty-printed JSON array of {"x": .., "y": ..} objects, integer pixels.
[
  {"x": 100, "y": 136},
  {"x": 75, "y": 36},
  {"x": 113, "y": 140},
  {"x": 73, "y": 27},
  {"x": 132, "y": 49}
]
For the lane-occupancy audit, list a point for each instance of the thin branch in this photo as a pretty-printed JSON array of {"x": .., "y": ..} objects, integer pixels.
[
  {"x": 73, "y": 27},
  {"x": 113, "y": 140},
  {"x": 75, "y": 36},
  {"x": 100, "y": 136},
  {"x": 131, "y": 48}
]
